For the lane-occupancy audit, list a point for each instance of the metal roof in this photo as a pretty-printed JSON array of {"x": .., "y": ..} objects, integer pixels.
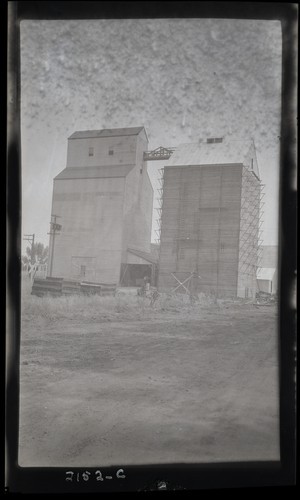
[
  {"x": 219, "y": 153},
  {"x": 94, "y": 172},
  {"x": 107, "y": 132},
  {"x": 266, "y": 273}
]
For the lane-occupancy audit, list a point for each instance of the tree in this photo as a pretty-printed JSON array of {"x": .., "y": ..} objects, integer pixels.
[{"x": 38, "y": 253}]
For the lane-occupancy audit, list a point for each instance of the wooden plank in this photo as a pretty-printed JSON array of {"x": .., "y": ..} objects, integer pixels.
[{"x": 42, "y": 286}]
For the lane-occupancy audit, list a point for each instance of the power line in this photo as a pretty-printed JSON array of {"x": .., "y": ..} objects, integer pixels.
[{"x": 54, "y": 228}]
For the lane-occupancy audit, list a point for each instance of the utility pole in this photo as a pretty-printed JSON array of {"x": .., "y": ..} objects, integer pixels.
[
  {"x": 30, "y": 238},
  {"x": 54, "y": 228}
]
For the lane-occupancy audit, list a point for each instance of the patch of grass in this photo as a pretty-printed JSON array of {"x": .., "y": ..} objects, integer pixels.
[{"x": 108, "y": 308}]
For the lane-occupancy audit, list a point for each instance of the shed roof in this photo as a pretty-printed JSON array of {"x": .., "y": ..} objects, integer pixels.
[
  {"x": 266, "y": 273},
  {"x": 229, "y": 151},
  {"x": 94, "y": 172},
  {"x": 149, "y": 257},
  {"x": 107, "y": 132}
]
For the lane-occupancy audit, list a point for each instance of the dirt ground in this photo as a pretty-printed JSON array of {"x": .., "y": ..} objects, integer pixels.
[{"x": 196, "y": 388}]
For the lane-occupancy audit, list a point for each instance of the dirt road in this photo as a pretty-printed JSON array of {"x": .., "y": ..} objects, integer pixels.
[{"x": 199, "y": 388}]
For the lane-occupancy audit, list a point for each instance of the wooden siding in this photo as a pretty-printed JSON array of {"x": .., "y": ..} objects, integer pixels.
[{"x": 200, "y": 227}]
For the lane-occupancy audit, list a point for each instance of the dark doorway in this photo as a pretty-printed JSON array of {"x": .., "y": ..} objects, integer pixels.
[{"x": 133, "y": 274}]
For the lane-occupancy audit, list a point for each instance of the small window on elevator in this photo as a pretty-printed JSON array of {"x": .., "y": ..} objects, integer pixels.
[
  {"x": 110, "y": 151},
  {"x": 91, "y": 151}
]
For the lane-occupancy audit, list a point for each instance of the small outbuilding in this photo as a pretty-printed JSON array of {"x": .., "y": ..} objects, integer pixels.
[{"x": 267, "y": 280}]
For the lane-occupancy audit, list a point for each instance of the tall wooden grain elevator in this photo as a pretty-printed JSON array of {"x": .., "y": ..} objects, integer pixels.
[{"x": 210, "y": 219}]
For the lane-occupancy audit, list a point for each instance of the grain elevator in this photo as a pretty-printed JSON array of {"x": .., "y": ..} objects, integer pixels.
[
  {"x": 210, "y": 219},
  {"x": 103, "y": 201}
]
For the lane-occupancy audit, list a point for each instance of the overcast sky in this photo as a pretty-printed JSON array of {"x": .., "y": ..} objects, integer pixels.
[{"x": 183, "y": 79}]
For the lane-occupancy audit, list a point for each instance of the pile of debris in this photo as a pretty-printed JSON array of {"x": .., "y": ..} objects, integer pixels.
[
  {"x": 149, "y": 293},
  {"x": 265, "y": 299},
  {"x": 57, "y": 287}
]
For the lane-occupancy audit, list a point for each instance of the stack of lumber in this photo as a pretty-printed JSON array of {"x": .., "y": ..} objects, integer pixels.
[
  {"x": 108, "y": 288},
  {"x": 60, "y": 286},
  {"x": 48, "y": 286},
  {"x": 70, "y": 287},
  {"x": 89, "y": 288}
]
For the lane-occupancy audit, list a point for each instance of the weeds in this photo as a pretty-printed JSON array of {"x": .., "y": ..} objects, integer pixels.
[{"x": 107, "y": 308}]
